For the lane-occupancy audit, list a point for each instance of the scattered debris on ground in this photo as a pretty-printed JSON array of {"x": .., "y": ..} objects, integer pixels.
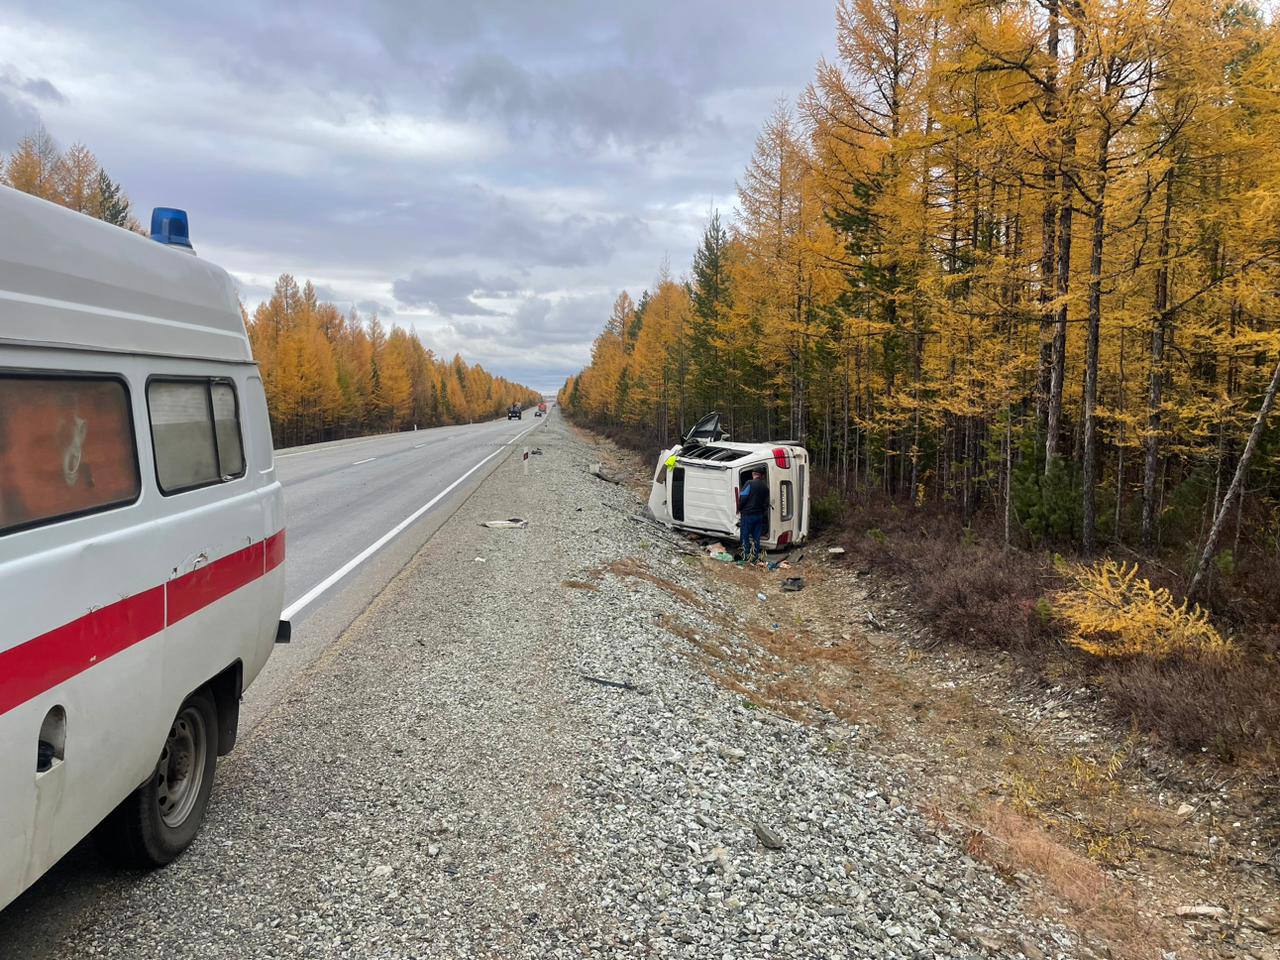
[
  {"x": 1096, "y": 827},
  {"x": 601, "y": 472},
  {"x": 515, "y": 523},
  {"x": 627, "y": 756}
]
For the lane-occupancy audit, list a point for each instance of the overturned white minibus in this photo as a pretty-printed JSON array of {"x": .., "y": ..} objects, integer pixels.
[
  {"x": 696, "y": 485},
  {"x": 141, "y": 534}
]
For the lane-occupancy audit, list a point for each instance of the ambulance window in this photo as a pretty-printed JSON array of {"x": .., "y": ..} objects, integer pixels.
[
  {"x": 226, "y": 425},
  {"x": 784, "y": 494},
  {"x": 66, "y": 449},
  {"x": 195, "y": 432}
]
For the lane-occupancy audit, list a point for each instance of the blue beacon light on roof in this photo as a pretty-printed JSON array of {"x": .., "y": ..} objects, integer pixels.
[{"x": 169, "y": 226}]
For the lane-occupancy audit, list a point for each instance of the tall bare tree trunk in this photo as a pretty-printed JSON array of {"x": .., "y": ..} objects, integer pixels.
[
  {"x": 1089, "y": 537},
  {"x": 1200, "y": 581},
  {"x": 1008, "y": 474},
  {"x": 1053, "y": 425},
  {"x": 1151, "y": 462},
  {"x": 1048, "y": 224}
]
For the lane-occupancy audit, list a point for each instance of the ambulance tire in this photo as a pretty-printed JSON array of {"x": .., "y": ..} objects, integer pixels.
[{"x": 160, "y": 818}]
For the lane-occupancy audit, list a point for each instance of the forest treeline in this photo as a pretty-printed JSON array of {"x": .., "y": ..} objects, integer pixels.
[
  {"x": 1016, "y": 262},
  {"x": 71, "y": 178},
  {"x": 327, "y": 374}
]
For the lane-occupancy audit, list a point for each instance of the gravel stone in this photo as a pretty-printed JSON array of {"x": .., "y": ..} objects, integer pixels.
[{"x": 445, "y": 782}]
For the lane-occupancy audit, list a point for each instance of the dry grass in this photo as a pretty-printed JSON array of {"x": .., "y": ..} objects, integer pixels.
[
  {"x": 1228, "y": 707},
  {"x": 629, "y": 567},
  {"x": 1014, "y": 844},
  {"x": 1021, "y": 803},
  {"x": 1022, "y": 800},
  {"x": 972, "y": 590}
]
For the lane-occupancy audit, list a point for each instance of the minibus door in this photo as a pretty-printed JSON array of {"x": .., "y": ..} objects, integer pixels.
[
  {"x": 213, "y": 523},
  {"x": 704, "y": 497},
  {"x": 706, "y": 430},
  {"x": 744, "y": 477}
]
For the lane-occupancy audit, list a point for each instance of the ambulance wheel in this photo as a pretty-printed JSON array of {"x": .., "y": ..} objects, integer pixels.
[{"x": 159, "y": 820}]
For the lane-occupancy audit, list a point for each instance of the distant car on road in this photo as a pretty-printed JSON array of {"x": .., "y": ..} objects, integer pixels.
[
  {"x": 514, "y": 412},
  {"x": 542, "y": 408}
]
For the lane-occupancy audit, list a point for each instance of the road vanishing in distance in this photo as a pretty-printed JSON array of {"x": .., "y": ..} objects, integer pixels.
[{"x": 356, "y": 511}]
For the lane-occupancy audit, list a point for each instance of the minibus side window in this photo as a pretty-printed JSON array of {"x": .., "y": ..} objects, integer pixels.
[
  {"x": 784, "y": 494},
  {"x": 195, "y": 432},
  {"x": 226, "y": 428},
  {"x": 66, "y": 448}
]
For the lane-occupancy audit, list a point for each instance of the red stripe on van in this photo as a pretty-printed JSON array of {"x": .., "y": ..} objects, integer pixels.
[
  {"x": 275, "y": 550},
  {"x": 28, "y": 670},
  {"x": 40, "y": 664},
  {"x": 196, "y": 590}
]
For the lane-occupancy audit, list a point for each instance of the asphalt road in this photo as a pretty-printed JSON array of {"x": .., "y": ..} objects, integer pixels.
[
  {"x": 341, "y": 499},
  {"x": 356, "y": 511}
]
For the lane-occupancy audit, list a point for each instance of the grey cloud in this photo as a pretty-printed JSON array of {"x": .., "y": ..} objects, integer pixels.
[
  {"x": 541, "y": 321},
  {"x": 37, "y": 88},
  {"x": 337, "y": 223},
  {"x": 560, "y": 321},
  {"x": 251, "y": 292},
  {"x": 605, "y": 105},
  {"x": 17, "y": 119},
  {"x": 451, "y": 292},
  {"x": 481, "y": 222},
  {"x": 370, "y": 307},
  {"x": 42, "y": 89},
  {"x": 568, "y": 144},
  {"x": 477, "y": 330}
]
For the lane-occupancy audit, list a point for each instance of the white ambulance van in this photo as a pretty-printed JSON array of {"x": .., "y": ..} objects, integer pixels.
[
  {"x": 141, "y": 534},
  {"x": 696, "y": 485}
]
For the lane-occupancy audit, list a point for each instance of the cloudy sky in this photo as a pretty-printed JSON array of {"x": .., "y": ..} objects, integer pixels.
[{"x": 492, "y": 172}]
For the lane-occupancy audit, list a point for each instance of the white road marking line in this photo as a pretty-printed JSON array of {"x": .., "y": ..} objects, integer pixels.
[
  {"x": 417, "y": 445},
  {"x": 365, "y": 460},
  {"x": 333, "y": 445},
  {"x": 307, "y": 598}
]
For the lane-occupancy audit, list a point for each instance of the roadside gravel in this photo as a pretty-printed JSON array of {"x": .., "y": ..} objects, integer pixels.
[{"x": 446, "y": 781}]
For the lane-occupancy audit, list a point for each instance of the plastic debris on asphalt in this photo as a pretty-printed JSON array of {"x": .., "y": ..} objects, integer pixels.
[{"x": 515, "y": 523}]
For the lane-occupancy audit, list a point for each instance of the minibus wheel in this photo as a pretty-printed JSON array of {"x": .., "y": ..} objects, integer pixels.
[{"x": 159, "y": 820}]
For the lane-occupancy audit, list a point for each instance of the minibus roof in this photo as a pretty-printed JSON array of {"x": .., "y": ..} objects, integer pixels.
[
  {"x": 70, "y": 281},
  {"x": 729, "y": 452}
]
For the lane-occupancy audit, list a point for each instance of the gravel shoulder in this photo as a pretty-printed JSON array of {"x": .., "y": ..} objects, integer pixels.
[{"x": 523, "y": 748}]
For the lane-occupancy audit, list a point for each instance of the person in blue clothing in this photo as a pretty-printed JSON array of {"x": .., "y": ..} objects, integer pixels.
[{"x": 753, "y": 504}]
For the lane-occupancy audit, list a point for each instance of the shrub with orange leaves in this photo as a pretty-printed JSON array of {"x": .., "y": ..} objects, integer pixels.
[{"x": 1113, "y": 612}]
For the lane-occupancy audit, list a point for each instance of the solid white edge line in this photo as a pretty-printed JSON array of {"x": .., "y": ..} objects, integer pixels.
[
  {"x": 366, "y": 460},
  {"x": 307, "y": 598},
  {"x": 329, "y": 446}
]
